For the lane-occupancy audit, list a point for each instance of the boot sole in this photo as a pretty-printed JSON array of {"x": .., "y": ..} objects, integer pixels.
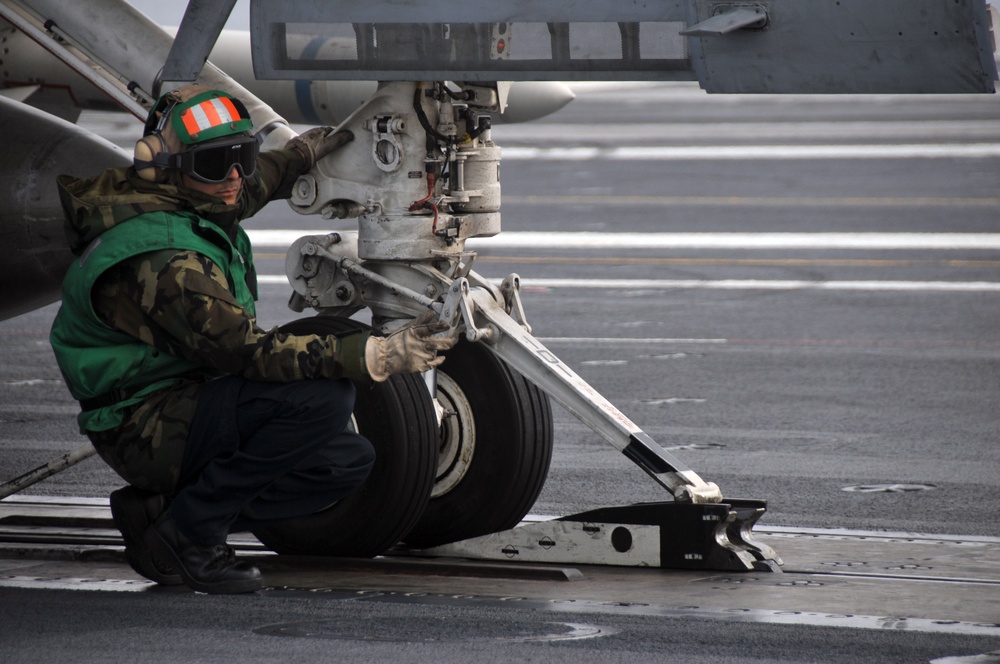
[{"x": 131, "y": 519}]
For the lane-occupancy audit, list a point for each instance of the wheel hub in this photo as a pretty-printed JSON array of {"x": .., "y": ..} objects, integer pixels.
[{"x": 457, "y": 432}]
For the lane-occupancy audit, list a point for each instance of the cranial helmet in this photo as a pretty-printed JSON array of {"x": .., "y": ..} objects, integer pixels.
[{"x": 204, "y": 133}]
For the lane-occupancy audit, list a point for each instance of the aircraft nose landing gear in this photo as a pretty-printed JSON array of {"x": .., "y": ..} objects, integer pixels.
[{"x": 416, "y": 205}]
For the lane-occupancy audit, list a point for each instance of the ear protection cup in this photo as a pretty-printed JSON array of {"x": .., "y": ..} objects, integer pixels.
[
  {"x": 159, "y": 141},
  {"x": 146, "y": 150}
]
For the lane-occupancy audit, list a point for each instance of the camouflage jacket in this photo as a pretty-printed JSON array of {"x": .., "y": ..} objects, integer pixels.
[{"x": 180, "y": 302}]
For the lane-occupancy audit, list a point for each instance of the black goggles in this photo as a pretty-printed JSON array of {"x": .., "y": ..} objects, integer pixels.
[{"x": 212, "y": 161}]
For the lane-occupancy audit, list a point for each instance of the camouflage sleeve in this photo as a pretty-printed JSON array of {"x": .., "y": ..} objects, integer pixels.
[
  {"x": 180, "y": 304},
  {"x": 277, "y": 171}
]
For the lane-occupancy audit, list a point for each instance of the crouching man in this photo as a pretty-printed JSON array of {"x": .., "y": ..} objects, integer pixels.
[{"x": 214, "y": 423}]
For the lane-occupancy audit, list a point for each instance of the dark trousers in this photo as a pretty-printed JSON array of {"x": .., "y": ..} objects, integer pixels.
[{"x": 264, "y": 451}]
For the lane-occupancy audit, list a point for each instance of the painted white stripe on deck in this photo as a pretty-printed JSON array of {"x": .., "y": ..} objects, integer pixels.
[
  {"x": 760, "y": 284},
  {"x": 617, "y": 341},
  {"x": 734, "y": 284},
  {"x": 585, "y": 240},
  {"x": 742, "y": 152}
]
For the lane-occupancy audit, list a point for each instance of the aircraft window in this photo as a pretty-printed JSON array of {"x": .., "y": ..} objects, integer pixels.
[{"x": 483, "y": 51}]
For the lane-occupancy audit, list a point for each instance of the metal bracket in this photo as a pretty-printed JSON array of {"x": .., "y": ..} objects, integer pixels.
[
  {"x": 387, "y": 152},
  {"x": 729, "y": 19},
  {"x": 667, "y": 535},
  {"x": 511, "y": 290},
  {"x": 457, "y": 310}
]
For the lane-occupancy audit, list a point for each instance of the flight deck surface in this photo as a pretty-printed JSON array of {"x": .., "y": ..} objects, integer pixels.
[{"x": 830, "y": 577}]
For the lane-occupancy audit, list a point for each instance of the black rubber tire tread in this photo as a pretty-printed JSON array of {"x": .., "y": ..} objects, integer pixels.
[
  {"x": 538, "y": 434},
  {"x": 397, "y": 416},
  {"x": 513, "y": 420}
]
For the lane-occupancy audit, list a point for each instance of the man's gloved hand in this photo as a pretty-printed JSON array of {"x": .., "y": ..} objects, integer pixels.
[
  {"x": 318, "y": 142},
  {"x": 410, "y": 349}
]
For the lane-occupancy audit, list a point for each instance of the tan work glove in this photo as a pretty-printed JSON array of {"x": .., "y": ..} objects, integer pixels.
[
  {"x": 318, "y": 142},
  {"x": 410, "y": 349}
]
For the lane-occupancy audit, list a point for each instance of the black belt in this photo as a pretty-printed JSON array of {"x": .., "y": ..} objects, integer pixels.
[{"x": 105, "y": 400}]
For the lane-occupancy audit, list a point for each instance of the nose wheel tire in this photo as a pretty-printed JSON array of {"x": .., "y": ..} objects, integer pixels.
[
  {"x": 397, "y": 416},
  {"x": 495, "y": 446}
]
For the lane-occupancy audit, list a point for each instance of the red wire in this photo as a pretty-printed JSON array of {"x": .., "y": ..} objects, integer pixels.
[
  {"x": 416, "y": 205},
  {"x": 423, "y": 202}
]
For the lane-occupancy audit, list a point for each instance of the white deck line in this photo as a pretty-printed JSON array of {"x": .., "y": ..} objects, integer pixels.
[{"x": 589, "y": 240}]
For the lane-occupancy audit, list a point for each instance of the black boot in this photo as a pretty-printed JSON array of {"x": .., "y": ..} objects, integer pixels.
[
  {"x": 205, "y": 568},
  {"x": 133, "y": 511}
]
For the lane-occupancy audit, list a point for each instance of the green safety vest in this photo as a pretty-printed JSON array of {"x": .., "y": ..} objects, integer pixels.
[{"x": 97, "y": 360}]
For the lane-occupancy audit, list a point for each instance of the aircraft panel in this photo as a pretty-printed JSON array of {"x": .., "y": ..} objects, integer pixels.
[
  {"x": 851, "y": 46},
  {"x": 769, "y": 46}
]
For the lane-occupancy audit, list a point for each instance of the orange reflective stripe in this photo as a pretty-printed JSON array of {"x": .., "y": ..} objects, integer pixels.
[
  {"x": 190, "y": 122},
  {"x": 212, "y": 118},
  {"x": 234, "y": 115},
  {"x": 210, "y": 113}
]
